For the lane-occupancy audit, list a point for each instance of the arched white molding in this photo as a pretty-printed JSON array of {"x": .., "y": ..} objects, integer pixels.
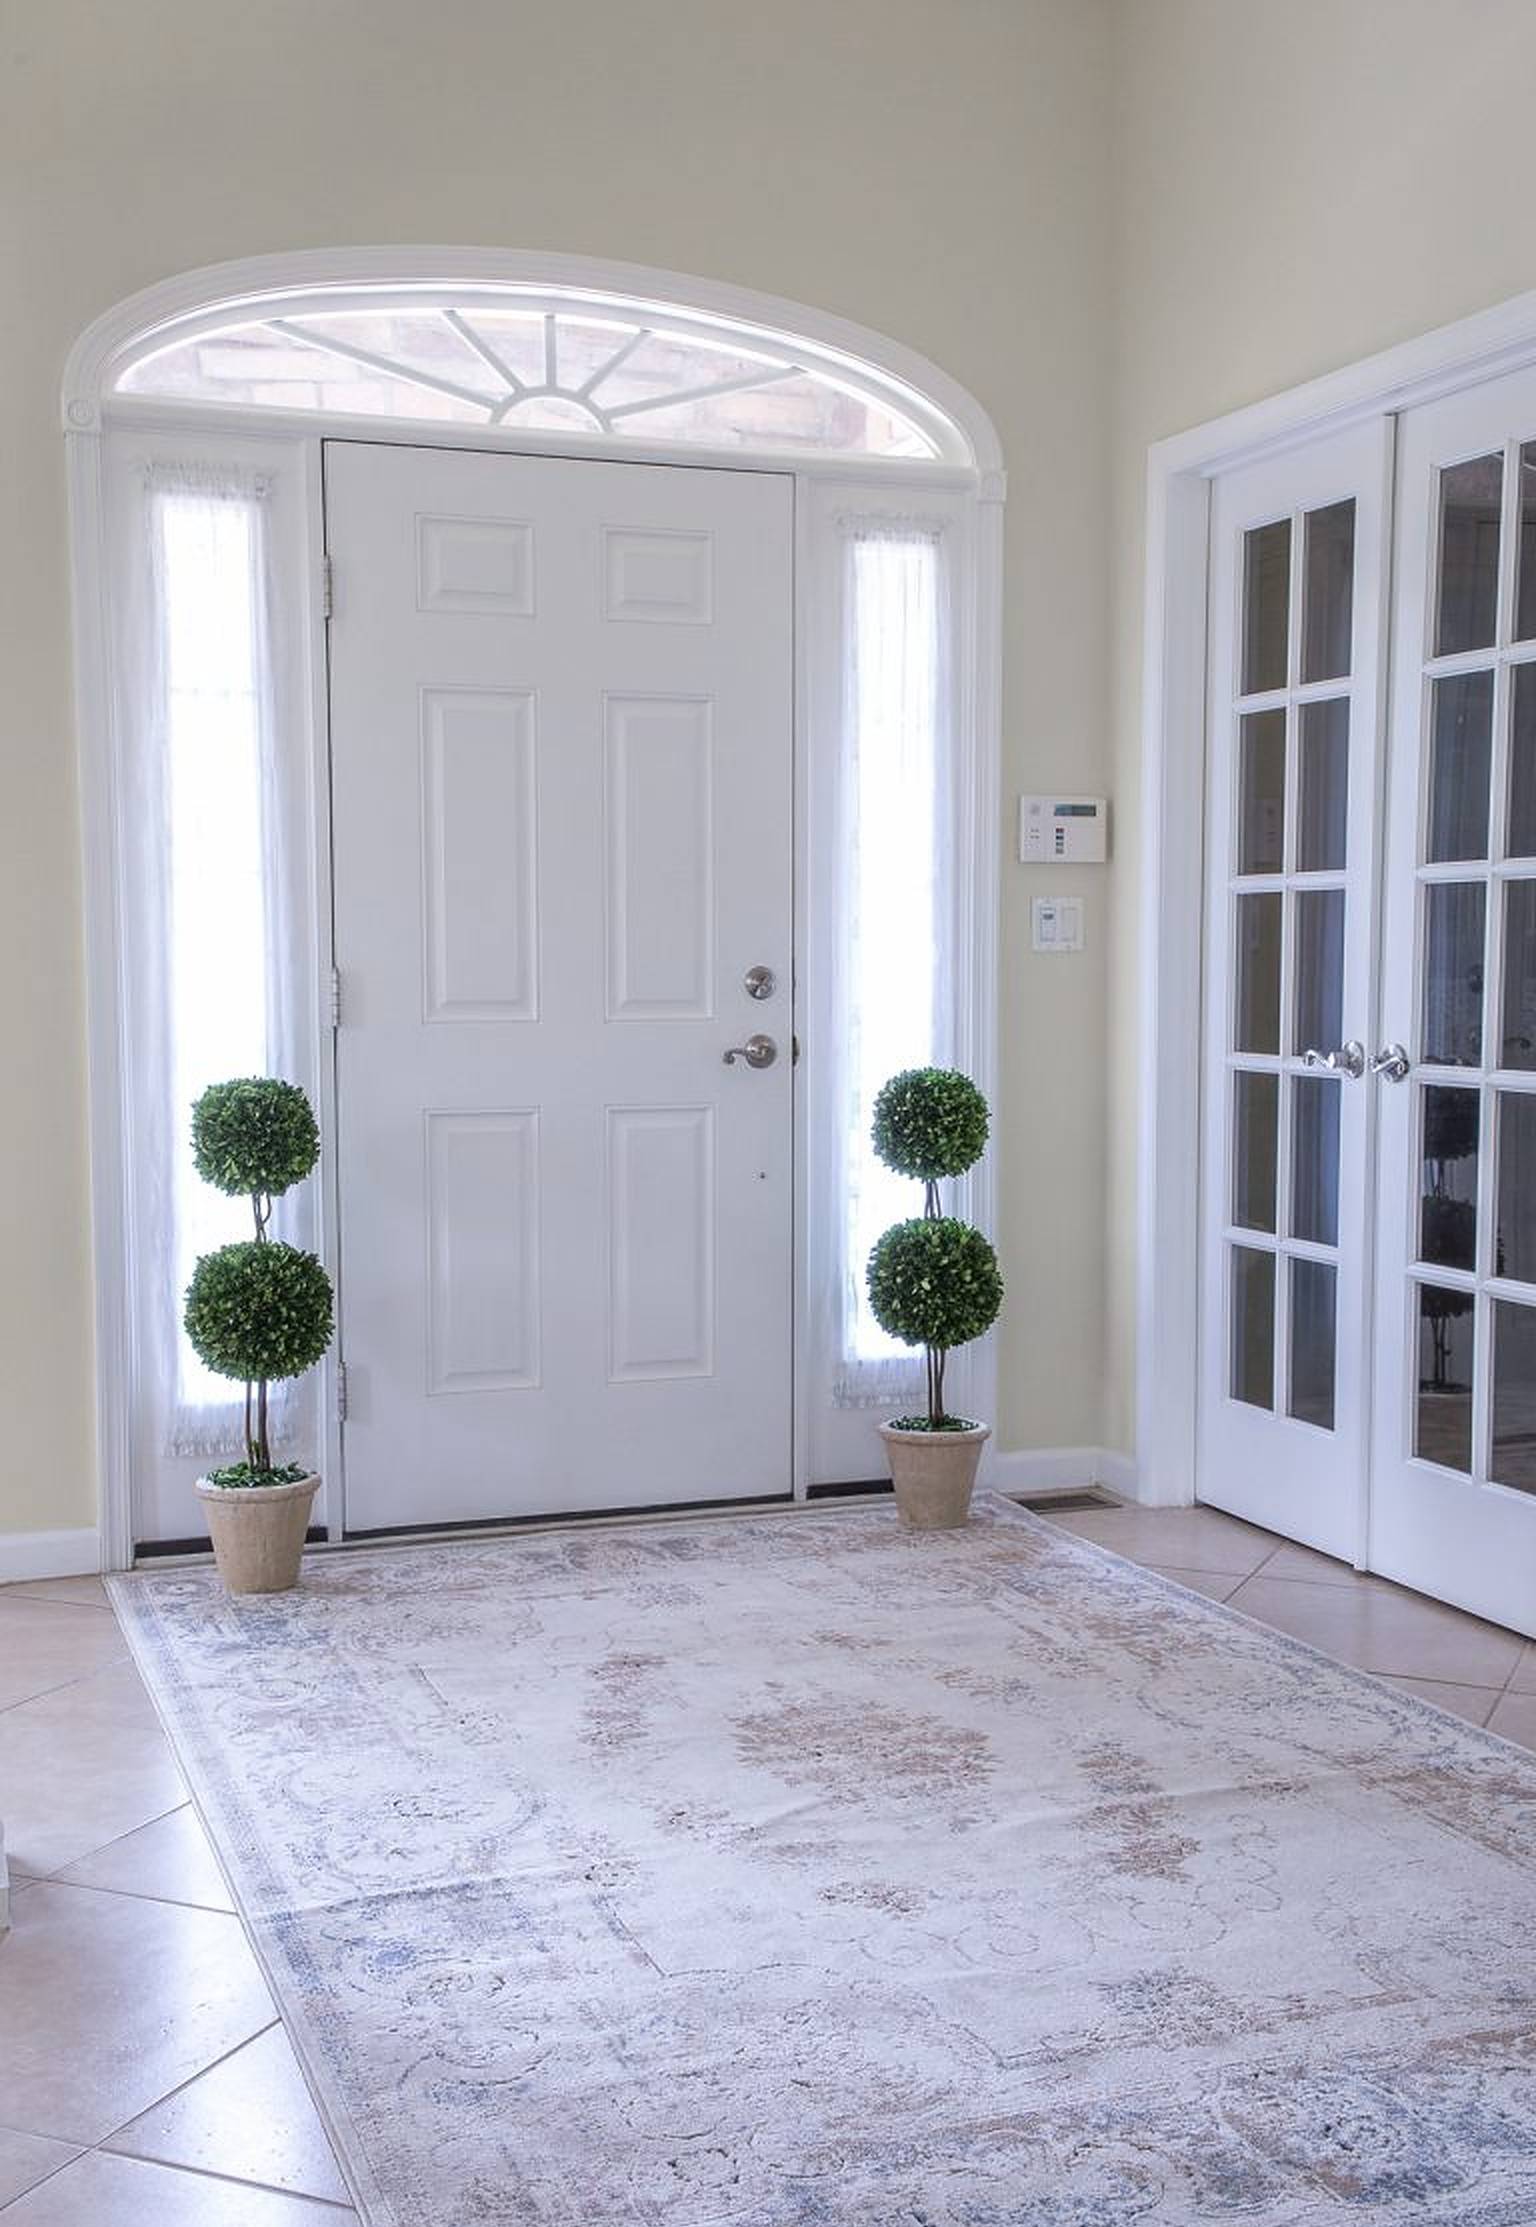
[{"x": 315, "y": 281}]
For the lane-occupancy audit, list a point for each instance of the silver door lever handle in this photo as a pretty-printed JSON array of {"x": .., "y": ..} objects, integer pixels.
[
  {"x": 758, "y": 1051},
  {"x": 1349, "y": 1059},
  {"x": 1391, "y": 1063}
]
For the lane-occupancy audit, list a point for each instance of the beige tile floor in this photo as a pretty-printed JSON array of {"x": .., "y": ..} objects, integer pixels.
[{"x": 145, "y": 2080}]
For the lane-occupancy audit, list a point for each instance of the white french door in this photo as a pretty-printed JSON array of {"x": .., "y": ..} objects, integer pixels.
[
  {"x": 1453, "y": 1505},
  {"x": 1298, "y": 557},
  {"x": 561, "y": 750},
  {"x": 1368, "y": 1246}
]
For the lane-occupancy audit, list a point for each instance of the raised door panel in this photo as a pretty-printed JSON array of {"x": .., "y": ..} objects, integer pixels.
[
  {"x": 483, "y": 1281},
  {"x": 661, "y": 1207},
  {"x": 658, "y": 576},
  {"x": 660, "y": 887},
  {"x": 482, "y": 566},
  {"x": 480, "y": 897}
]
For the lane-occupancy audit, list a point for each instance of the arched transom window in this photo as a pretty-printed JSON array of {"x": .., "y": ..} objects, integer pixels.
[{"x": 585, "y": 365}]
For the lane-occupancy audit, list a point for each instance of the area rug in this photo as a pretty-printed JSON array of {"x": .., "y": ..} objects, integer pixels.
[{"x": 796, "y": 1871}]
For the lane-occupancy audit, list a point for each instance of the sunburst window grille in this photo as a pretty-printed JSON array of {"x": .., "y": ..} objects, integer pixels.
[{"x": 584, "y": 371}]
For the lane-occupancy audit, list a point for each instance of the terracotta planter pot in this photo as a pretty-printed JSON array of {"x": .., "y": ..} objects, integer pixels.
[
  {"x": 258, "y": 1532},
  {"x": 934, "y": 1473}
]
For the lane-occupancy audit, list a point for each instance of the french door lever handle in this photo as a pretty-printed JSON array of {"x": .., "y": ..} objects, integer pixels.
[
  {"x": 1349, "y": 1059},
  {"x": 758, "y": 1051},
  {"x": 1391, "y": 1063}
]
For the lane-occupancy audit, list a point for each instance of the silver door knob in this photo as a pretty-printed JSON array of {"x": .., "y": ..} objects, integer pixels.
[
  {"x": 758, "y": 1051},
  {"x": 1391, "y": 1063},
  {"x": 759, "y": 982},
  {"x": 1349, "y": 1059}
]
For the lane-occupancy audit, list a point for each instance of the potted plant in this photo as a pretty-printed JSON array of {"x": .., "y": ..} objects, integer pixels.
[
  {"x": 258, "y": 1311},
  {"x": 933, "y": 1282}
]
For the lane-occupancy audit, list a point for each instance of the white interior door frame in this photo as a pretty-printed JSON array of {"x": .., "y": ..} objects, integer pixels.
[
  {"x": 93, "y": 417},
  {"x": 1173, "y": 780}
]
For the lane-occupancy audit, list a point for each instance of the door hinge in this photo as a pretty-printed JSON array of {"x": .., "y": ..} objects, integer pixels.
[
  {"x": 335, "y": 997},
  {"x": 327, "y": 586},
  {"x": 341, "y": 1391}
]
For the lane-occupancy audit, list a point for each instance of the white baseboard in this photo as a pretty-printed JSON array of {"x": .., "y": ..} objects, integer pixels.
[
  {"x": 25, "y": 1554},
  {"x": 1043, "y": 1468}
]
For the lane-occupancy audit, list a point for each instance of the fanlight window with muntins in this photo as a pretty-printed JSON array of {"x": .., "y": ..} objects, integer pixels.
[{"x": 584, "y": 370}]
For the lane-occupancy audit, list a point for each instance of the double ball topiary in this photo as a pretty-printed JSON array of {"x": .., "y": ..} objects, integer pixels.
[
  {"x": 258, "y": 1311},
  {"x": 933, "y": 1281}
]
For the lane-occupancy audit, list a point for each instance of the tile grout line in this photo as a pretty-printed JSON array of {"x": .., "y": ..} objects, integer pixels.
[
  {"x": 56, "y": 1878},
  {"x": 133, "y": 1894},
  {"x": 52, "y": 2174},
  {"x": 14, "y": 1593},
  {"x": 80, "y": 1678},
  {"x": 1227, "y": 1600},
  {"x": 226, "y": 2180},
  {"x": 167, "y": 2165},
  {"x": 159, "y": 2102}
]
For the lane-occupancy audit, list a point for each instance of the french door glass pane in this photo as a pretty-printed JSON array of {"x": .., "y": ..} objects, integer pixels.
[
  {"x": 1313, "y": 1343},
  {"x": 1258, "y": 972},
  {"x": 1469, "y": 554},
  {"x": 1315, "y": 1102},
  {"x": 1261, "y": 827},
  {"x": 1255, "y": 1115},
  {"x": 1514, "y": 1395},
  {"x": 1453, "y": 974},
  {"x": 1461, "y": 749},
  {"x": 1518, "y": 1021},
  {"x": 1525, "y": 586},
  {"x": 1443, "y": 1419},
  {"x": 1266, "y": 606},
  {"x": 1319, "y": 969},
  {"x": 1448, "y": 1178},
  {"x": 1521, "y": 839},
  {"x": 1323, "y": 802},
  {"x": 1328, "y": 560},
  {"x": 1515, "y": 1247},
  {"x": 1253, "y": 1326}
]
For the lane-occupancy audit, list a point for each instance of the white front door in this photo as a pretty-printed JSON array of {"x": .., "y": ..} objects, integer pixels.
[
  {"x": 561, "y": 748},
  {"x": 1298, "y": 567},
  {"x": 1453, "y": 1506}
]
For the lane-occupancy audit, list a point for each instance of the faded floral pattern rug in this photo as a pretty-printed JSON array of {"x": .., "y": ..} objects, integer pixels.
[{"x": 797, "y": 1871}]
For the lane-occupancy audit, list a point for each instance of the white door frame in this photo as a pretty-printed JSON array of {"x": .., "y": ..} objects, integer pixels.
[
  {"x": 93, "y": 415},
  {"x": 1173, "y": 733}
]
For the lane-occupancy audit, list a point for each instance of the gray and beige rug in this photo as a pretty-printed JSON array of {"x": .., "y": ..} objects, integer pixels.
[{"x": 798, "y": 1872}]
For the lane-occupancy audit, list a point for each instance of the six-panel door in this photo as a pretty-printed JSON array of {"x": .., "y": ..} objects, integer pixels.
[{"x": 562, "y": 823}]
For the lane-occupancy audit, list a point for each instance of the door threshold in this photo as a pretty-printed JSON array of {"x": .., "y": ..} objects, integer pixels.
[{"x": 409, "y": 1534}]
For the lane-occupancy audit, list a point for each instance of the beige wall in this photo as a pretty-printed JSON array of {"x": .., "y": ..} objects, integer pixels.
[
  {"x": 932, "y": 168},
  {"x": 1297, "y": 186}
]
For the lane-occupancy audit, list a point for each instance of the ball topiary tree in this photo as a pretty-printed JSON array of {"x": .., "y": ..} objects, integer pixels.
[
  {"x": 258, "y": 1311},
  {"x": 932, "y": 1281},
  {"x": 930, "y": 1122}
]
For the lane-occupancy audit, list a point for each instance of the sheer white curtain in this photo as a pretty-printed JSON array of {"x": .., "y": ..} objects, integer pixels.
[
  {"x": 893, "y": 997},
  {"x": 206, "y": 954}
]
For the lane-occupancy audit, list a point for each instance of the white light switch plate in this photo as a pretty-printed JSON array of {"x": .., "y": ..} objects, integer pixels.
[{"x": 1058, "y": 923}]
